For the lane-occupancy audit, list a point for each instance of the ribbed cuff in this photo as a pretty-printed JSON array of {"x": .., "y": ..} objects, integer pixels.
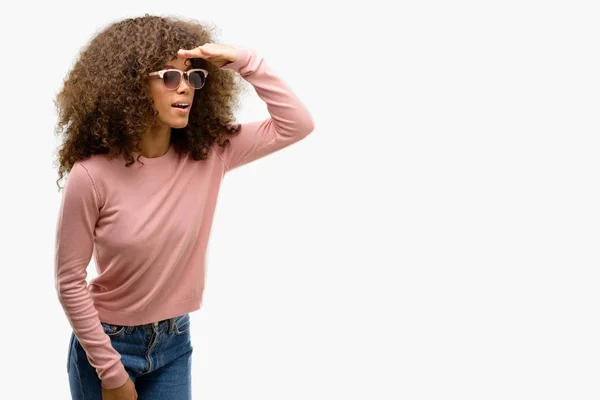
[{"x": 116, "y": 377}]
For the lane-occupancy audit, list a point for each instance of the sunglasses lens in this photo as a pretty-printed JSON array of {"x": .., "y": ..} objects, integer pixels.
[
  {"x": 196, "y": 79},
  {"x": 171, "y": 79}
]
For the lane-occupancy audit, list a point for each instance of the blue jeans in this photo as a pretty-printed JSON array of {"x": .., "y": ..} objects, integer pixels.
[{"x": 157, "y": 356}]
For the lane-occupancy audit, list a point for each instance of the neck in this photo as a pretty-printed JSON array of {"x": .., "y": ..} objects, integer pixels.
[{"x": 156, "y": 142}]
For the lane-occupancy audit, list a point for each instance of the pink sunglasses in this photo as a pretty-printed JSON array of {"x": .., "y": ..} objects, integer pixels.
[{"x": 196, "y": 78}]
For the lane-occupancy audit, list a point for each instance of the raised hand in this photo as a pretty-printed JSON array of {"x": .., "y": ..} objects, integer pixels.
[{"x": 216, "y": 54}]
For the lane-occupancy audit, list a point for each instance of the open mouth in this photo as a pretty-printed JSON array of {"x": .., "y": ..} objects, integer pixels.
[{"x": 184, "y": 107}]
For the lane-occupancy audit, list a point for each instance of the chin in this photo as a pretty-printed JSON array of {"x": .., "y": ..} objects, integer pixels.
[{"x": 179, "y": 124}]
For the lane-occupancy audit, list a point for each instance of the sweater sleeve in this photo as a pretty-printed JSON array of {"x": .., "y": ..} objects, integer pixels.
[
  {"x": 77, "y": 218},
  {"x": 289, "y": 119}
]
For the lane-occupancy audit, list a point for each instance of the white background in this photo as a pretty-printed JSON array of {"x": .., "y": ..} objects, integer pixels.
[{"x": 435, "y": 237}]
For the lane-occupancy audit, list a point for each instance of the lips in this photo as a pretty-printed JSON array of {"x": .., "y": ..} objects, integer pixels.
[
  {"x": 181, "y": 107},
  {"x": 181, "y": 110}
]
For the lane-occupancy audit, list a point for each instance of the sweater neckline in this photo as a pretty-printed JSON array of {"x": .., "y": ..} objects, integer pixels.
[{"x": 168, "y": 156}]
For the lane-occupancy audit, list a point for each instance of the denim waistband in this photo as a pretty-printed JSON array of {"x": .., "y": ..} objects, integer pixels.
[{"x": 156, "y": 325}]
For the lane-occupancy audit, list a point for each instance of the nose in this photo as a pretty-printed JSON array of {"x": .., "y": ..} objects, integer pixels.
[{"x": 184, "y": 85}]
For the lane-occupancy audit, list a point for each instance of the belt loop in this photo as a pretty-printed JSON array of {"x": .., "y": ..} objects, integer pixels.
[
  {"x": 171, "y": 325},
  {"x": 129, "y": 329}
]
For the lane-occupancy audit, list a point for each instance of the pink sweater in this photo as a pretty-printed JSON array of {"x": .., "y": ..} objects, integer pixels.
[{"x": 148, "y": 226}]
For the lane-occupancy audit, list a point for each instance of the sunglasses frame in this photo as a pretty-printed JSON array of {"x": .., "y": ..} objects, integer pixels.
[{"x": 182, "y": 74}]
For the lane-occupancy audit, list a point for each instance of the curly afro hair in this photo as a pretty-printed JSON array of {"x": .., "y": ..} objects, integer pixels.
[{"x": 104, "y": 106}]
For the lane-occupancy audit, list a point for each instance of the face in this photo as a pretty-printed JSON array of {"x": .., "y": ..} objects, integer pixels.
[{"x": 170, "y": 116}]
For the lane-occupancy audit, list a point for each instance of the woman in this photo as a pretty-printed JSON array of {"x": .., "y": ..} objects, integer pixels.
[{"x": 148, "y": 138}]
